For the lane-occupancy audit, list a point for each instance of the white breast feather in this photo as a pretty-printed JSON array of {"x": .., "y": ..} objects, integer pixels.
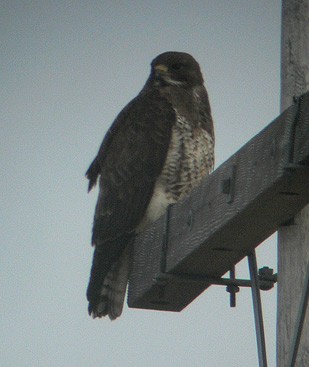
[
  {"x": 157, "y": 206},
  {"x": 197, "y": 151}
]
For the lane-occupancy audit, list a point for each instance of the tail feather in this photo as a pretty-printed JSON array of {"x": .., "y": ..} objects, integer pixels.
[
  {"x": 106, "y": 295},
  {"x": 114, "y": 288}
]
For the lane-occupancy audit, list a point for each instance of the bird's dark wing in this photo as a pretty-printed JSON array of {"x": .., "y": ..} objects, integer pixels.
[
  {"x": 205, "y": 111},
  {"x": 130, "y": 159}
]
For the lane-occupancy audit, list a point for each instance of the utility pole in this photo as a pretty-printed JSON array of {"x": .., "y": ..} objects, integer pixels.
[{"x": 293, "y": 239}]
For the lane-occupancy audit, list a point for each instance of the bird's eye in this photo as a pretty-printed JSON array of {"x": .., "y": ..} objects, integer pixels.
[{"x": 177, "y": 66}]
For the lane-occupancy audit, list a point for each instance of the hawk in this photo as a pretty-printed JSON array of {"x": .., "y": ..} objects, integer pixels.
[{"x": 159, "y": 147}]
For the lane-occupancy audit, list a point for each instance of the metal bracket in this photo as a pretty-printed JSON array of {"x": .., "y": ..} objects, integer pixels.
[
  {"x": 165, "y": 240},
  {"x": 299, "y": 101},
  {"x": 264, "y": 279},
  {"x": 232, "y": 288},
  {"x": 228, "y": 185},
  {"x": 264, "y": 284}
]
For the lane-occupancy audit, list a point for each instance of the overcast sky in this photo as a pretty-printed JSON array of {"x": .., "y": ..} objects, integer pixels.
[{"x": 67, "y": 69}]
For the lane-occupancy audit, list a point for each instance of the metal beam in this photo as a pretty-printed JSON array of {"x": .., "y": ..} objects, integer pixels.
[{"x": 212, "y": 229}]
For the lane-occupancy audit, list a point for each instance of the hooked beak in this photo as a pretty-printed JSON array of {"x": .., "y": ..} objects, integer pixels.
[{"x": 161, "y": 69}]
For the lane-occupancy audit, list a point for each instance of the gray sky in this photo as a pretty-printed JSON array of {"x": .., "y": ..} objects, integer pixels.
[{"x": 67, "y": 68}]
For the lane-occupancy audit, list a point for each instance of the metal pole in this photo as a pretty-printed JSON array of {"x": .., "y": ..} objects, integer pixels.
[{"x": 257, "y": 308}]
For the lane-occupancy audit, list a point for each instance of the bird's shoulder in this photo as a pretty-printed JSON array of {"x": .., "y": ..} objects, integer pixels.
[
  {"x": 144, "y": 124},
  {"x": 204, "y": 111}
]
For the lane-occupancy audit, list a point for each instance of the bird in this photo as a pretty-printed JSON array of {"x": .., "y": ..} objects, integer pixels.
[{"x": 159, "y": 147}]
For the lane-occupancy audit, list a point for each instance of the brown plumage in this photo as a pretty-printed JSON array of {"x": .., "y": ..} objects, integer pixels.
[{"x": 159, "y": 147}]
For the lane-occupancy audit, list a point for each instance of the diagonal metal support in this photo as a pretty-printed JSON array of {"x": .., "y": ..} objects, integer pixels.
[{"x": 257, "y": 308}]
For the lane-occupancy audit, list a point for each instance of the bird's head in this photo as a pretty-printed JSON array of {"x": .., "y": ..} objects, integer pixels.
[{"x": 177, "y": 69}]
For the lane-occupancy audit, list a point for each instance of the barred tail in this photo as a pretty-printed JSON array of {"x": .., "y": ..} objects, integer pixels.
[
  {"x": 114, "y": 288},
  {"x": 107, "y": 289}
]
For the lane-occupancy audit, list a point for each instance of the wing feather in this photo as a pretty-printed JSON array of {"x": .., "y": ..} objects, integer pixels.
[{"x": 129, "y": 161}]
